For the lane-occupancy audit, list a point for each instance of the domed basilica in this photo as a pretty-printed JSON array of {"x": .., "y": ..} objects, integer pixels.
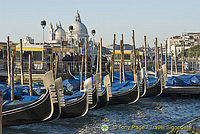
[{"x": 76, "y": 36}]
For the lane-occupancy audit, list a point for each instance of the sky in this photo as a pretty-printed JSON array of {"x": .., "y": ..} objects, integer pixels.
[{"x": 153, "y": 18}]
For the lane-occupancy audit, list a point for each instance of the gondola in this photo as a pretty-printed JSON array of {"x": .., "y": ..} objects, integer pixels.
[
  {"x": 93, "y": 96},
  {"x": 74, "y": 105},
  {"x": 182, "y": 83},
  {"x": 156, "y": 87},
  {"x": 103, "y": 93},
  {"x": 126, "y": 95},
  {"x": 97, "y": 94},
  {"x": 92, "y": 93},
  {"x": 44, "y": 108},
  {"x": 129, "y": 77}
]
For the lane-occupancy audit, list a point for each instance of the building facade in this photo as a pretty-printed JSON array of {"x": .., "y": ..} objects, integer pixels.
[
  {"x": 188, "y": 39},
  {"x": 75, "y": 37}
]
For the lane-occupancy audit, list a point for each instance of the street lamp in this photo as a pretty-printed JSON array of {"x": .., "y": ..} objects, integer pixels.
[
  {"x": 43, "y": 24},
  {"x": 93, "y": 32},
  {"x": 71, "y": 28}
]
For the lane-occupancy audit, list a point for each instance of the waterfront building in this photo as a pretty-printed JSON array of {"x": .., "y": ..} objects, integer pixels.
[
  {"x": 3, "y": 53},
  {"x": 75, "y": 38},
  {"x": 127, "y": 52},
  {"x": 56, "y": 35},
  {"x": 188, "y": 39},
  {"x": 79, "y": 33},
  {"x": 27, "y": 40}
]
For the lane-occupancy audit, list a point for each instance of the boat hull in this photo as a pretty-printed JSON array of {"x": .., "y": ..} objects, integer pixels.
[
  {"x": 126, "y": 97},
  {"x": 75, "y": 108},
  {"x": 154, "y": 90},
  {"x": 95, "y": 99},
  {"x": 41, "y": 110},
  {"x": 103, "y": 101}
]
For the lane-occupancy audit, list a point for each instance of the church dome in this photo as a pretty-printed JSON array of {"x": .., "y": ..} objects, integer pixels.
[
  {"x": 60, "y": 33},
  {"x": 79, "y": 29}
]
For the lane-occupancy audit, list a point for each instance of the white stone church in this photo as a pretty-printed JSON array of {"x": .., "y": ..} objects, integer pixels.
[{"x": 77, "y": 36}]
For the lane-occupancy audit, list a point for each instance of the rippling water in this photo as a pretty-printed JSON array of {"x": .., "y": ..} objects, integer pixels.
[{"x": 147, "y": 111}]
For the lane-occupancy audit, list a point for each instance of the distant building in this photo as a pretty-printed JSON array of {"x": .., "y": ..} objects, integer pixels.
[
  {"x": 128, "y": 49},
  {"x": 3, "y": 53},
  {"x": 58, "y": 35},
  {"x": 75, "y": 38},
  {"x": 188, "y": 39},
  {"x": 79, "y": 33},
  {"x": 27, "y": 40}
]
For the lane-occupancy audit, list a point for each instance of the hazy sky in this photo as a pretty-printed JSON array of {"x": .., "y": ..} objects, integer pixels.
[{"x": 153, "y": 18}]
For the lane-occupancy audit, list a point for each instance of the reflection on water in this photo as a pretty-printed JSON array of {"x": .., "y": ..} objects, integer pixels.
[{"x": 145, "y": 116}]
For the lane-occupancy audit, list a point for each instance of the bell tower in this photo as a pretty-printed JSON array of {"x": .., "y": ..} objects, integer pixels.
[{"x": 51, "y": 33}]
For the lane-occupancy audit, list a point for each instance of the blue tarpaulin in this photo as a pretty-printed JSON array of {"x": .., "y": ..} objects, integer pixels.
[
  {"x": 117, "y": 87},
  {"x": 25, "y": 98},
  {"x": 71, "y": 85},
  {"x": 19, "y": 91},
  {"x": 74, "y": 96},
  {"x": 183, "y": 80}
]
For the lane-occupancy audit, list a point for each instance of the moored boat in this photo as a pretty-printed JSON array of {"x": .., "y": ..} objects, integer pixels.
[
  {"x": 74, "y": 105},
  {"x": 32, "y": 109},
  {"x": 154, "y": 86},
  {"x": 123, "y": 93},
  {"x": 103, "y": 93}
]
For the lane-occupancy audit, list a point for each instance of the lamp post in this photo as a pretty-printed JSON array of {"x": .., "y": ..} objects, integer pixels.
[
  {"x": 43, "y": 24},
  {"x": 93, "y": 32},
  {"x": 71, "y": 28}
]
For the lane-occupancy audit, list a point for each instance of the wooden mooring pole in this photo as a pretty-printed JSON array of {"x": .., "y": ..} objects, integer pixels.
[
  {"x": 56, "y": 67},
  {"x": 145, "y": 53},
  {"x": 120, "y": 64},
  {"x": 182, "y": 56},
  {"x": 4, "y": 58},
  {"x": 171, "y": 63},
  {"x": 1, "y": 102},
  {"x": 81, "y": 80},
  {"x": 100, "y": 60},
  {"x": 166, "y": 47},
  {"x": 134, "y": 55},
  {"x": 30, "y": 73},
  {"x": 97, "y": 69},
  {"x": 86, "y": 64},
  {"x": 12, "y": 76},
  {"x": 175, "y": 59},
  {"x": 156, "y": 67},
  {"x": 161, "y": 55},
  {"x": 196, "y": 63},
  {"x": 51, "y": 61},
  {"x": 193, "y": 63},
  {"x": 21, "y": 63},
  {"x": 8, "y": 60},
  {"x": 122, "y": 58},
  {"x": 113, "y": 60}
]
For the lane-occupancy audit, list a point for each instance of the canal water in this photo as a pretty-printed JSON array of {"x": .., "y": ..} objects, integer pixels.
[{"x": 148, "y": 116}]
